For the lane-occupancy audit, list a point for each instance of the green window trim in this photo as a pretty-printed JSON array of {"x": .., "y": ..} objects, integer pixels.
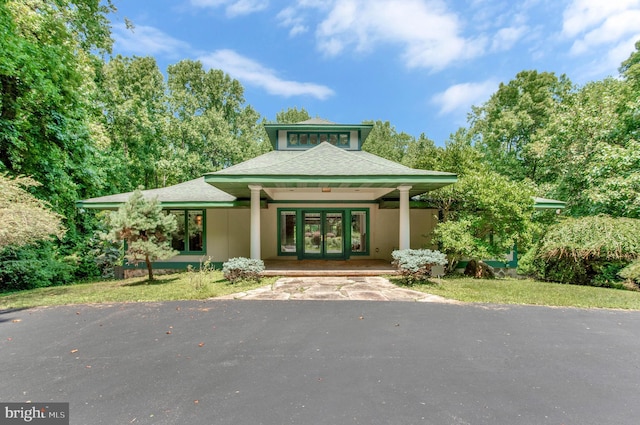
[
  {"x": 359, "y": 247},
  {"x": 300, "y": 139},
  {"x": 190, "y": 238}
]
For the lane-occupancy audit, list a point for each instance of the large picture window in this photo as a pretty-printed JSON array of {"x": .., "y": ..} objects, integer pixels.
[{"x": 189, "y": 237}]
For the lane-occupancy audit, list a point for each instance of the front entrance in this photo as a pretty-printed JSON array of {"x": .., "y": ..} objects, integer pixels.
[{"x": 323, "y": 234}]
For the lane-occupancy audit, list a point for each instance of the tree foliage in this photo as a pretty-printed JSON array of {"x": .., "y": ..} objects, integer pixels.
[
  {"x": 385, "y": 141},
  {"x": 145, "y": 229},
  {"x": 25, "y": 219},
  {"x": 292, "y": 116}
]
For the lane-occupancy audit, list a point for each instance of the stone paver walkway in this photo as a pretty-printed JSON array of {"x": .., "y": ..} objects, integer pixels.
[{"x": 336, "y": 288}]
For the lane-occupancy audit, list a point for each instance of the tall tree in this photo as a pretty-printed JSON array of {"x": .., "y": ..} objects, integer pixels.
[
  {"x": 47, "y": 64},
  {"x": 422, "y": 154},
  {"x": 208, "y": 119},
  {"x": 134, "y": 112},
  {"x": 385, "y": 141},
  {"x": 504, "y": 126}
]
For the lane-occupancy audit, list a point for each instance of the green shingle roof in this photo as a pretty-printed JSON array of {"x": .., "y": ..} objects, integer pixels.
[
  {"x": 324, "y": 165},
  {"x": 192, "y": 193}
]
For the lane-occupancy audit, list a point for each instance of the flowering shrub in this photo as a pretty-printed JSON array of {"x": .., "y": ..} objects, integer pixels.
[
  {"x": 241, "y": 268},
  {"x": 414, "y": 265}
]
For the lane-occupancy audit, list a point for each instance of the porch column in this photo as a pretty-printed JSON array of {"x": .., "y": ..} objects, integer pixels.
[
  {"x": 255, "y": 221},
  {"x": 405, "y": 225}
]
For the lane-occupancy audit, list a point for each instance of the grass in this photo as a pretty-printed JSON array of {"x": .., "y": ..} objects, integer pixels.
[
  {"x": 202, "y": 285},
  {"x": 529, "y": 292},
  {"x": 182, "y": 286}
]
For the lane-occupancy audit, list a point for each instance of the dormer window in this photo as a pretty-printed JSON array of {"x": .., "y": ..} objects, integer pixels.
[{"x": 307, "y": 139}]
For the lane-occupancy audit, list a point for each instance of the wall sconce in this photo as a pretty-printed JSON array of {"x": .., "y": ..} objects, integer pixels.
[
  {"x": 326, "y": 189},
  {"x": 198, "y": 219}
]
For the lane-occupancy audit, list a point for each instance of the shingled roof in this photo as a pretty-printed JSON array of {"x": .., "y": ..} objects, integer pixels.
[{"x": 192, "y": 193}]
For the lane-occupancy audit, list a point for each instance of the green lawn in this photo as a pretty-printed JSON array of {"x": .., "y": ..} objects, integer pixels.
[
  {"x": 181, "y": 286},
  {"x": 203, "y": 285},
  {"x": 532, "y": 292}
]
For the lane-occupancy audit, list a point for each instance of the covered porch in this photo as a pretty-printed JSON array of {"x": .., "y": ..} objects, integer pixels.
[{"x": 310, "y": 268}]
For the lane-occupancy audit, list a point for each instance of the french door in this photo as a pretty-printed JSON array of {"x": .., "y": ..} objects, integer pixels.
[{"x": 323, "y": 234}]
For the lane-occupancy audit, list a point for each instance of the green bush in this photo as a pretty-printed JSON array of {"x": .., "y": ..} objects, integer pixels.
[
  {"x": 414, "y": 265},
  {"x": 240, "y": 268},
  {"x": 632, "y": 274},
  {"x": 586, "y": 251},
  {"x": 33, "y": 266}
]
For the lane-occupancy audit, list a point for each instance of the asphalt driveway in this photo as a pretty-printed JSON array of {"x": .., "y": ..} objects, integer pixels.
[{"x": 324, "y": 362}]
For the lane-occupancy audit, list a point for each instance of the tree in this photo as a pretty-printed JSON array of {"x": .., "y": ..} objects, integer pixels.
[
  {"x": 133, "y": 113},
  {"x": 422, "y": 154},
  {"x": 503, "y": 127},
  {"x": 47, "y": 64},
  {"x": 292, "y": 116},
  {"x": 483, "y": 216},
  {"x": 385, "y": 141},
  {"x": 25, "y": 219},
  {"x": 145, "y": 228}
]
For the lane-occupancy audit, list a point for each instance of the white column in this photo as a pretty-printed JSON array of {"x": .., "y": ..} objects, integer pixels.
[
  {"x": 255, "y": 221},
  {"x": 405, "y": 225}
]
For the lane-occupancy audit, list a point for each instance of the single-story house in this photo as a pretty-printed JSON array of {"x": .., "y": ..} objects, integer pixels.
[{"x": 316, "y": 195}]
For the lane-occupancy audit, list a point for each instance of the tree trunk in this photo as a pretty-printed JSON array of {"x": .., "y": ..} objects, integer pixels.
[{"x": 149, "y": 267}]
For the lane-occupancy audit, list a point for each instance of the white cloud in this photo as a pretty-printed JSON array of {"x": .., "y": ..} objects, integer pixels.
[
  {"x": 459, "y": 98},
  {"x": 506, "y": 38},
  {"x": 233, "y": 8},
  {"x": 581, "y": 15},
  {"x": 147, "y": 41},
  {"x": 428, "y": 34},
  {"x": 595, "y": 23},
  {"x": 291, "y": 17},
  {"x": 251, "y": 72}
]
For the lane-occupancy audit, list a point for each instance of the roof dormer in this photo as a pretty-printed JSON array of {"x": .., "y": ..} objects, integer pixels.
[{"x": 310, "y": 133}]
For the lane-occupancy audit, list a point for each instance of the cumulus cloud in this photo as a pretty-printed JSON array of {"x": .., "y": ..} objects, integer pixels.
[
  {"x": 427, "y": 33},
  {"x": 253, "y": 73},
  {"x": 145, "y": 40},
  {"x": 596, "y": 23},
  {"x": 233, "y": 8},
  {"x": 506, "y": 38},
  {"x": 460, "y": 97}
]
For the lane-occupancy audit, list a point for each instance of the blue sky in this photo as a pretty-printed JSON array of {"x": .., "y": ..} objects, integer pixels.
[{"x": 419, "y": 64}]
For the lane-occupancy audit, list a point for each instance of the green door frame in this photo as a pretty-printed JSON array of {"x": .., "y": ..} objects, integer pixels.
[
  {"x": 350, "y": 247},
  {"x": 323, "y": 243}
]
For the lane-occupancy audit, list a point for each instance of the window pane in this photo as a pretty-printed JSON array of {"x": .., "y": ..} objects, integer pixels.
[
  {"x": 313, "y": 139},
  {"x": 323, "y": 138},
  {"x": 293, "y": 139},
  {"x": 344, "y": 140},
  {"x": 303, "y": 138},
  {"x": 196, "y": 220},
  {"x": 177, "y": 238},
  {"x": 358, "y": 231},
  {"x": 287, "y": 232},
  {"x": 333, "y": 139}
]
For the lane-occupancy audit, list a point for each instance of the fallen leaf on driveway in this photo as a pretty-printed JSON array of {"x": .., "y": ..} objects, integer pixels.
[
  {"x": 75, "y": 350},
  {"x": 16, "y": 321},
  {"x": 201, "y": 344}
]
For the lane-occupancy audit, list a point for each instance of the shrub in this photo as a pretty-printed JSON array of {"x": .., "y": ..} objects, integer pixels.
[
  {"x": 632, "y": 274},
  {"x": 587, "y": 251},
  {"x": 33, "y": 266},
  {"x": 240, "y": 268},
  {"x": 414, "y": 265}
]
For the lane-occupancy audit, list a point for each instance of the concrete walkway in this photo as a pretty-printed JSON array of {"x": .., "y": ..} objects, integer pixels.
[{"x": 336, "y": 288}]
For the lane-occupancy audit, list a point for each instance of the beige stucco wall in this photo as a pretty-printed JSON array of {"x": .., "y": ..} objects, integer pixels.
[{"x": 228, "y": 231}]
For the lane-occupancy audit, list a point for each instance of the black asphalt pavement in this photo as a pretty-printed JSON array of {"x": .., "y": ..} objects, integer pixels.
[{"x": 324, "y": 362}]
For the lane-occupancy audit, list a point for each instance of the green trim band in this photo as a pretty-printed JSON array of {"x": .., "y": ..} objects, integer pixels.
[{"x": 173, "y": 265}]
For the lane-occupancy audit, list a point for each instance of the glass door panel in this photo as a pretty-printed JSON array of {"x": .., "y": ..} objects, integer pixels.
[
  {"x": 312, "y": 222},
  {"x": 323, "y": 234},
  {"x": 333, "y": 245}
]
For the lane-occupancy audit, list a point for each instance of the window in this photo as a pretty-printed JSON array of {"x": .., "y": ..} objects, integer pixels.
[
  {"x": 359, "y": 232},
  {"x": 298, "y": 140},
  {"x": 189, "y": 236},
  {"x": 287, "y": 233}
]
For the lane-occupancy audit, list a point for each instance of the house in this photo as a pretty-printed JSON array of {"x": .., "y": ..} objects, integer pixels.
[{"x": 316, "y": 195}]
